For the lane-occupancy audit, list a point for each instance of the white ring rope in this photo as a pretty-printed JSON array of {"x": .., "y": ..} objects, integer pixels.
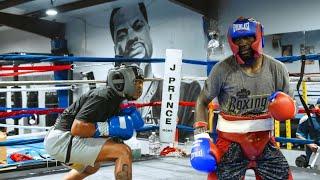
[
  {"x": 15, "y": 83},
  {"x": 194, "y": 78},
  {"x": 29, "y": 135},
  {"x": 308, "y": 83},
  {"x": 307, "y": 79},
  {"x": 80, "y": 66},
  {"x": 23, "y": 127},
  {"x": 38, "y": 89},
  {"x": 65, "y": 82}
]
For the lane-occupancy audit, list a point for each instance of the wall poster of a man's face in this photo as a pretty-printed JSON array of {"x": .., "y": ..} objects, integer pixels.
[{"x": 131, "y": 31}]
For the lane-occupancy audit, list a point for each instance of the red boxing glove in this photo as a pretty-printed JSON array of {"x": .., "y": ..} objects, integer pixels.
[
  {"x": 18, "y": 157},
  {"x": 281, "y": 106}
]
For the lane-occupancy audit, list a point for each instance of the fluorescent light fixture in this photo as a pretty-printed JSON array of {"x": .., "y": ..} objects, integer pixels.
[{"x": 51, "y": 12}]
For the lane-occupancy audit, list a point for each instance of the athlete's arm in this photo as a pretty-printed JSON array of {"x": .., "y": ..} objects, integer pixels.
[
  {"x": 82, "y": 129},
  {"x": 201, "y": 110}
]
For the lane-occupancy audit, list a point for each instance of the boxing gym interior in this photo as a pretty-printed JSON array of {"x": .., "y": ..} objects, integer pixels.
[{"x": 159, "y": 89}]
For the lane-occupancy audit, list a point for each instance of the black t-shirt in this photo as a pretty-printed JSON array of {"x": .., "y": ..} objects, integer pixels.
[{"x": 97, "y": 105}]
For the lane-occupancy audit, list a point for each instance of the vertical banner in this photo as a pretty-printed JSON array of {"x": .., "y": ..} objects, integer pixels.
[{"x": 170, "y": 95}]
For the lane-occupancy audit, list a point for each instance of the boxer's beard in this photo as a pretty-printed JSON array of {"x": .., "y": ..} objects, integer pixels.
[{"x": 247, "y": 55}]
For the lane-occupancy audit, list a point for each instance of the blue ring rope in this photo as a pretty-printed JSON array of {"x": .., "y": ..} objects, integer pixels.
[
  {"x": 48, "y": 58},
  {"x": 14, "y": 142},
  {"x": 293, "y": 140}
]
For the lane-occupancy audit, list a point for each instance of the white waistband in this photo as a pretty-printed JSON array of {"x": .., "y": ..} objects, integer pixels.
[{"x": 244, "y": 126}]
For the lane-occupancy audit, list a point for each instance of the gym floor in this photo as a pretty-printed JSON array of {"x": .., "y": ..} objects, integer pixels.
[{"x": 168, "y": 168}]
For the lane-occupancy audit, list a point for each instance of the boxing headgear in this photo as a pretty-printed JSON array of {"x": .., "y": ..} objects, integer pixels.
[
  {"x": 244, "y": 27},
  {"x": 122, "y": 80}
]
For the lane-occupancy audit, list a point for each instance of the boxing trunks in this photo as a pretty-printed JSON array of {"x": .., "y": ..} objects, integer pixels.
[{"x": 247, "y": 143}]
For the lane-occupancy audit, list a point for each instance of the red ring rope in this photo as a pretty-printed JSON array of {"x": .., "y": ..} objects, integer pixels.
[
  {"x": 33, "y": 69},
  {"x": 40, "y": 112},
  {"x": 139, "y": 105}
]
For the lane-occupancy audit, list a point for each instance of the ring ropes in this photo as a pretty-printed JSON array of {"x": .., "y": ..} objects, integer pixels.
[
  {"x": 147, "y": 127},
  {"x": 44, "y": 58}
]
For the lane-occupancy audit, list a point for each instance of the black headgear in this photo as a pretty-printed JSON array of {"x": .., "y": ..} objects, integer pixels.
[{"x": 122, "y": 79}]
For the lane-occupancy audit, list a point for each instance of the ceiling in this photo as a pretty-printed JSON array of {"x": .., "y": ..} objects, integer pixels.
[{"x": 29, "y": 15}]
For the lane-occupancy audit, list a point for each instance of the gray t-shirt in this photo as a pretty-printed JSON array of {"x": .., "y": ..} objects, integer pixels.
[
  {"x": 242, "y": 94},
  {"x": 96, "y": 105}
]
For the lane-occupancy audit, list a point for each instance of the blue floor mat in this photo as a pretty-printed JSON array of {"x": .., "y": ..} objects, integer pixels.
[{"x": 35, "y": 150}]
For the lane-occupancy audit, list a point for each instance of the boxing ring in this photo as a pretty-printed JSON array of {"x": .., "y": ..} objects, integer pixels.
[{"x": 26, "y": 152}]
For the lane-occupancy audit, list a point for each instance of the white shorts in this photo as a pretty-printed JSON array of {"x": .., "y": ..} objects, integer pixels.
[{"x": 84, "y": 151}]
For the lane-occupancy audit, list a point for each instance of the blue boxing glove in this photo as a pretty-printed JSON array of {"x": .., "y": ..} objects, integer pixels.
[
  {"x": 116, "y": 126},
  {"x": 202, "y": 158},
  {"x": 135, "y": 116}
]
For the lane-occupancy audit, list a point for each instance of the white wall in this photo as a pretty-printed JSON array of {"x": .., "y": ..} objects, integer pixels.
[
  {"x": 14, "y": 40},
  {"x": 167, "y": 21},
  {"x": 277, "y": 16}
]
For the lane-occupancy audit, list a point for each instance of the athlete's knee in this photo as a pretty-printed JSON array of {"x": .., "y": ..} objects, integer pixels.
[
  {"x": 125, "y": 151},
  {"x": 91, "y": 170},
  {"x": 74, "y": 175}
]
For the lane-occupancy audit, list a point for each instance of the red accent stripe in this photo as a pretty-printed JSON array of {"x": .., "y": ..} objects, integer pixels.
[{"x": 241, "y": 118}]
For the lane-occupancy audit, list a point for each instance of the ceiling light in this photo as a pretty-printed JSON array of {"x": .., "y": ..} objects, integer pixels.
[{"x": 51, "y": 12}]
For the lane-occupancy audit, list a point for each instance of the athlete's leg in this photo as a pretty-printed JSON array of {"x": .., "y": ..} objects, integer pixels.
[{"x": 121, "y": 154}]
